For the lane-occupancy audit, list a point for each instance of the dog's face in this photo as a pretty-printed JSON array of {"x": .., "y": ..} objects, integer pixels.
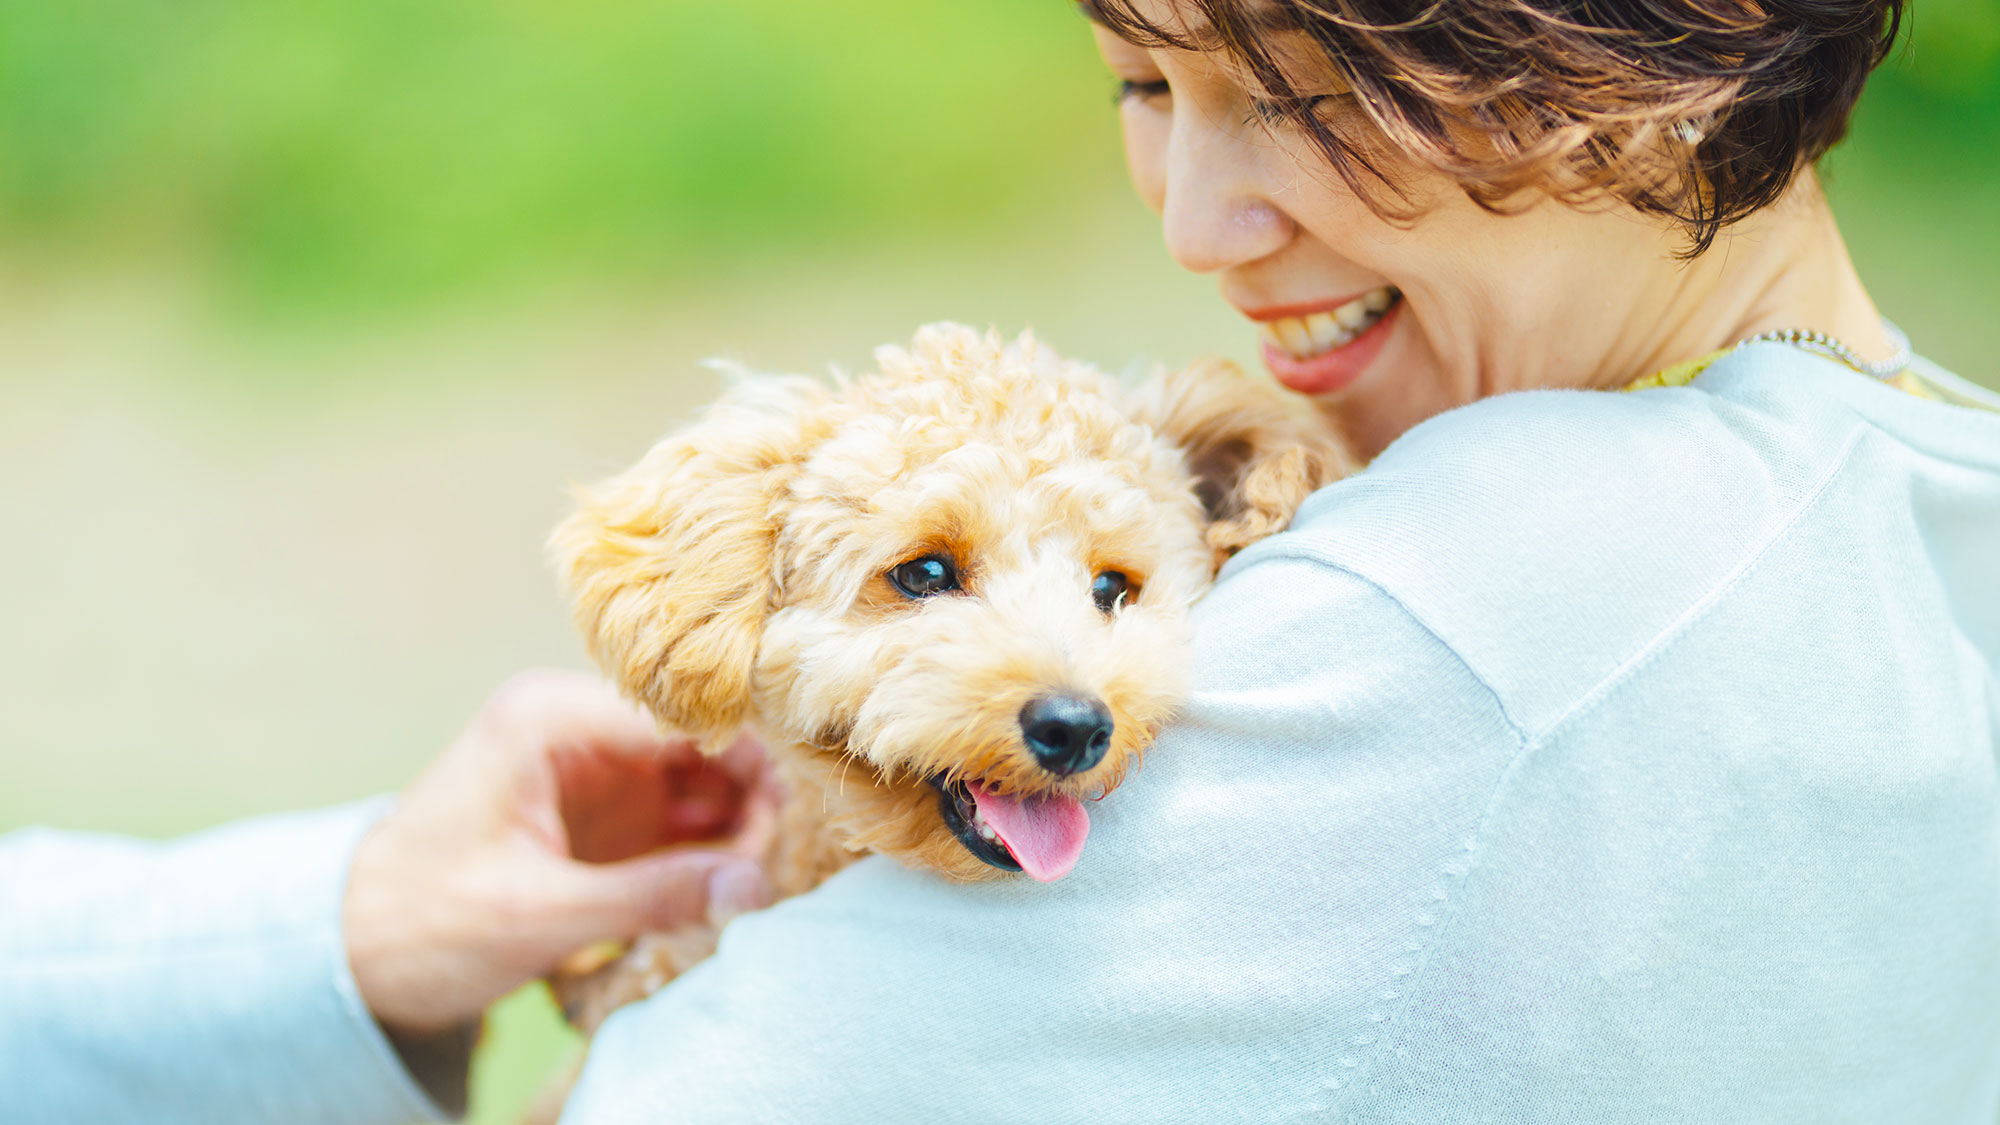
[
  {"x": 953, "y": 594},
  {"x": 985, "y": 567}
]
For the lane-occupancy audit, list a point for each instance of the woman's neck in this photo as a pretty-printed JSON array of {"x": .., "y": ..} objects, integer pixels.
[
  {"x": 1613, "y": 302},
  {"x": 1785, "y": 267}
]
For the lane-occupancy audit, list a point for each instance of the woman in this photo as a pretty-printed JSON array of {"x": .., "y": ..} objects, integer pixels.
[{"x": 1589, "y": 757}]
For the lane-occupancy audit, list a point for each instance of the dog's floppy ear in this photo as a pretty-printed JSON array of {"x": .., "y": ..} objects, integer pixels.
[
  {"x": 669, "y": 566},
  {"x": 1256, "y": 451}
]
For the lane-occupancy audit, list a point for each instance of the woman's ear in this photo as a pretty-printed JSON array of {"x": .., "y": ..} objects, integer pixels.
[
  {"x": 669, "y": 566},
  {"x": 1256, "y": 451}
]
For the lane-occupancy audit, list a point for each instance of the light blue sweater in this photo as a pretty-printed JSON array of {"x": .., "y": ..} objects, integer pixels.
[
  {"x": 1590, "y": 758},
  {"x": 200, "y": 982}
]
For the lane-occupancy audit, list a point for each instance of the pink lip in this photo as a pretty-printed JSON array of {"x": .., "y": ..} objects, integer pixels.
[
  {"x": 1281, "y": 312},
  {"x": 1333, "y": 370}
]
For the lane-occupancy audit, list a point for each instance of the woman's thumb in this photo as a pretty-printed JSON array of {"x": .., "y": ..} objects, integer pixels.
[{"x": 664, "y": 892}]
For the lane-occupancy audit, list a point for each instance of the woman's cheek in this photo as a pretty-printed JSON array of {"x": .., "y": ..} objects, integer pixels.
[{"x": 1147, "y": 130}]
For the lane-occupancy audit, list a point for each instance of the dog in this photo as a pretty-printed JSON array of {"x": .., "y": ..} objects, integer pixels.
[{"x": 951, "y": 597}]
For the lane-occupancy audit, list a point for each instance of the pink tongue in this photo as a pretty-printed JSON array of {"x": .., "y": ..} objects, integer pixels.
[{"x": 1044, "y": 833}]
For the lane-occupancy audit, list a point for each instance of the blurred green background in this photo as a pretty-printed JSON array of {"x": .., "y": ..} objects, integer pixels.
[{"x": 308, "y": 312}]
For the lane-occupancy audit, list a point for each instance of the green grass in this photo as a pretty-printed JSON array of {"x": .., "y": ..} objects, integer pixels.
[
  {"x": 1915, "y": 189},
  {"x": 523, "y": 1051},
  {"x": 367, "y": 155},
  {"x": 359, "y": 158}
]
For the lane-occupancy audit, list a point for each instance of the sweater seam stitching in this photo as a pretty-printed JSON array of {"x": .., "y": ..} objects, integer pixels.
[
  {"x": 1702, "y": 607},
  {"x": 1304, "y": 553},
  {"x": 1526, "y": 745},
  {"x": 1490, "y": 810},
  {"x": 1449, "y": 907}
]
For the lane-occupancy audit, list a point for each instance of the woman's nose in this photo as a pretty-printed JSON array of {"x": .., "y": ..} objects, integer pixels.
[{"x": 1214, "y": 211}]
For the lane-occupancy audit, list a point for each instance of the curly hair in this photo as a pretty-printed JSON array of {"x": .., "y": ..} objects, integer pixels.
[{"x": 1701, "y": 111}]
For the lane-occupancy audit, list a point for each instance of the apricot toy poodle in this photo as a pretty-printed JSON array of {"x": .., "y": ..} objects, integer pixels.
[{"x": 951, "y": 597}]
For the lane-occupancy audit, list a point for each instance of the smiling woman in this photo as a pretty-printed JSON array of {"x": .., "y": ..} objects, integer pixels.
[
  {"x": 1680, "y": 108},
  {"x": 1366, "y": 182}
]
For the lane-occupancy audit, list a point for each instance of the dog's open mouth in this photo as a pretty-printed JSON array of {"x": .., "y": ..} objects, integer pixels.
[{"x": 1042, "y": 836}]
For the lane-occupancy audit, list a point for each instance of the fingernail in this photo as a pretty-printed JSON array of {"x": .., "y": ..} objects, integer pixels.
[{"x": 736, "y": 888}]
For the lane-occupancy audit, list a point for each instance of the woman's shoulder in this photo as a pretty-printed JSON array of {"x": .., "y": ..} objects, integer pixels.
[{"x": 1550, "y": 537}]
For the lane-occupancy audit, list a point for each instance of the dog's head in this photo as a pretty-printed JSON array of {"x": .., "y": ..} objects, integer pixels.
[{"x": 953, "y": 594}]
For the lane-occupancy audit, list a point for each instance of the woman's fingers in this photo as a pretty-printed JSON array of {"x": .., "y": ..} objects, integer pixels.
[
  {"x": 615, "y": 807},
  {"x": 745, "y": 759},
  {"x": 655, "y": 892},
  {"x": 622, "y": 790},
  {"x": 536, "y": 833}
]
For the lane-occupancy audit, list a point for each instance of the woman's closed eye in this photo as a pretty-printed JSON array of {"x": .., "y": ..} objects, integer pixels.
[
  {"x": 1131, "y": 90},
  {"x": 1284, "y": 111}
]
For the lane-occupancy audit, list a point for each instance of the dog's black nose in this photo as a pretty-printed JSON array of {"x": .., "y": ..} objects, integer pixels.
[{"x": 1066, "y": 733}]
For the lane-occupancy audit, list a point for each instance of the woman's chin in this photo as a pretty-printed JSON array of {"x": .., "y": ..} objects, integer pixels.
[{"x": 1335, "y": 369}]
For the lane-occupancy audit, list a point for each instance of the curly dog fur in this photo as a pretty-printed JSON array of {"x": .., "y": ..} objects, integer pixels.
[{"x": 741, "y": 573}]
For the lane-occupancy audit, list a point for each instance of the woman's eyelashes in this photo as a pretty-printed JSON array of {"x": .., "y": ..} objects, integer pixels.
[
  {"x": 1269, "y": 111},
  {"x": 1284, "y": 111},
  {"x": 1130, "y": 90},
  {"x": 1265, "y": 111}
]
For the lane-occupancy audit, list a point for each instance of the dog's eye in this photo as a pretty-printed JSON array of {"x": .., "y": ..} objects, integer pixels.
[
  {"x": 925, "y": 577},
  {"x": 1109, "y": 589}
]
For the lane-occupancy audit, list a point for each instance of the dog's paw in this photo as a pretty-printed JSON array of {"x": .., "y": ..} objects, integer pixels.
[{"x": 595, "y": 982}]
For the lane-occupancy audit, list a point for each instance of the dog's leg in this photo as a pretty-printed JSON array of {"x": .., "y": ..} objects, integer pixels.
[{"x": 588, "y": 994}]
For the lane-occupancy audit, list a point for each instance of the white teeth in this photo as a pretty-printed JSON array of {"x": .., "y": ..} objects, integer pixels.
[
  {"x": 984, "y": 829},
  {"x": 1321, "y": 332},
  {"x": 1325, "y": 331}
]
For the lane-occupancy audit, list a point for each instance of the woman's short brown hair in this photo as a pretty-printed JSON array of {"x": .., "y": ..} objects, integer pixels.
[{"x": 1699, "y": 110}]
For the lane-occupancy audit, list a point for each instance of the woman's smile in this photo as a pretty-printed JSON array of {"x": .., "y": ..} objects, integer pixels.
[{"x": 1324, "y": 346}]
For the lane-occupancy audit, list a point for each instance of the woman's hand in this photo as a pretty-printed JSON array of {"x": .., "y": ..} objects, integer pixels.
[{"x": 536, "y": 834}]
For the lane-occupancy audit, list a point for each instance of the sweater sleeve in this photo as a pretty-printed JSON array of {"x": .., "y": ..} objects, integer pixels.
[{"x": 199, "y": 980}]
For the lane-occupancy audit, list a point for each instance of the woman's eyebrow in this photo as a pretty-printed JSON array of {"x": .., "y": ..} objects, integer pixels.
[{"x": 1122, "y": 21}]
